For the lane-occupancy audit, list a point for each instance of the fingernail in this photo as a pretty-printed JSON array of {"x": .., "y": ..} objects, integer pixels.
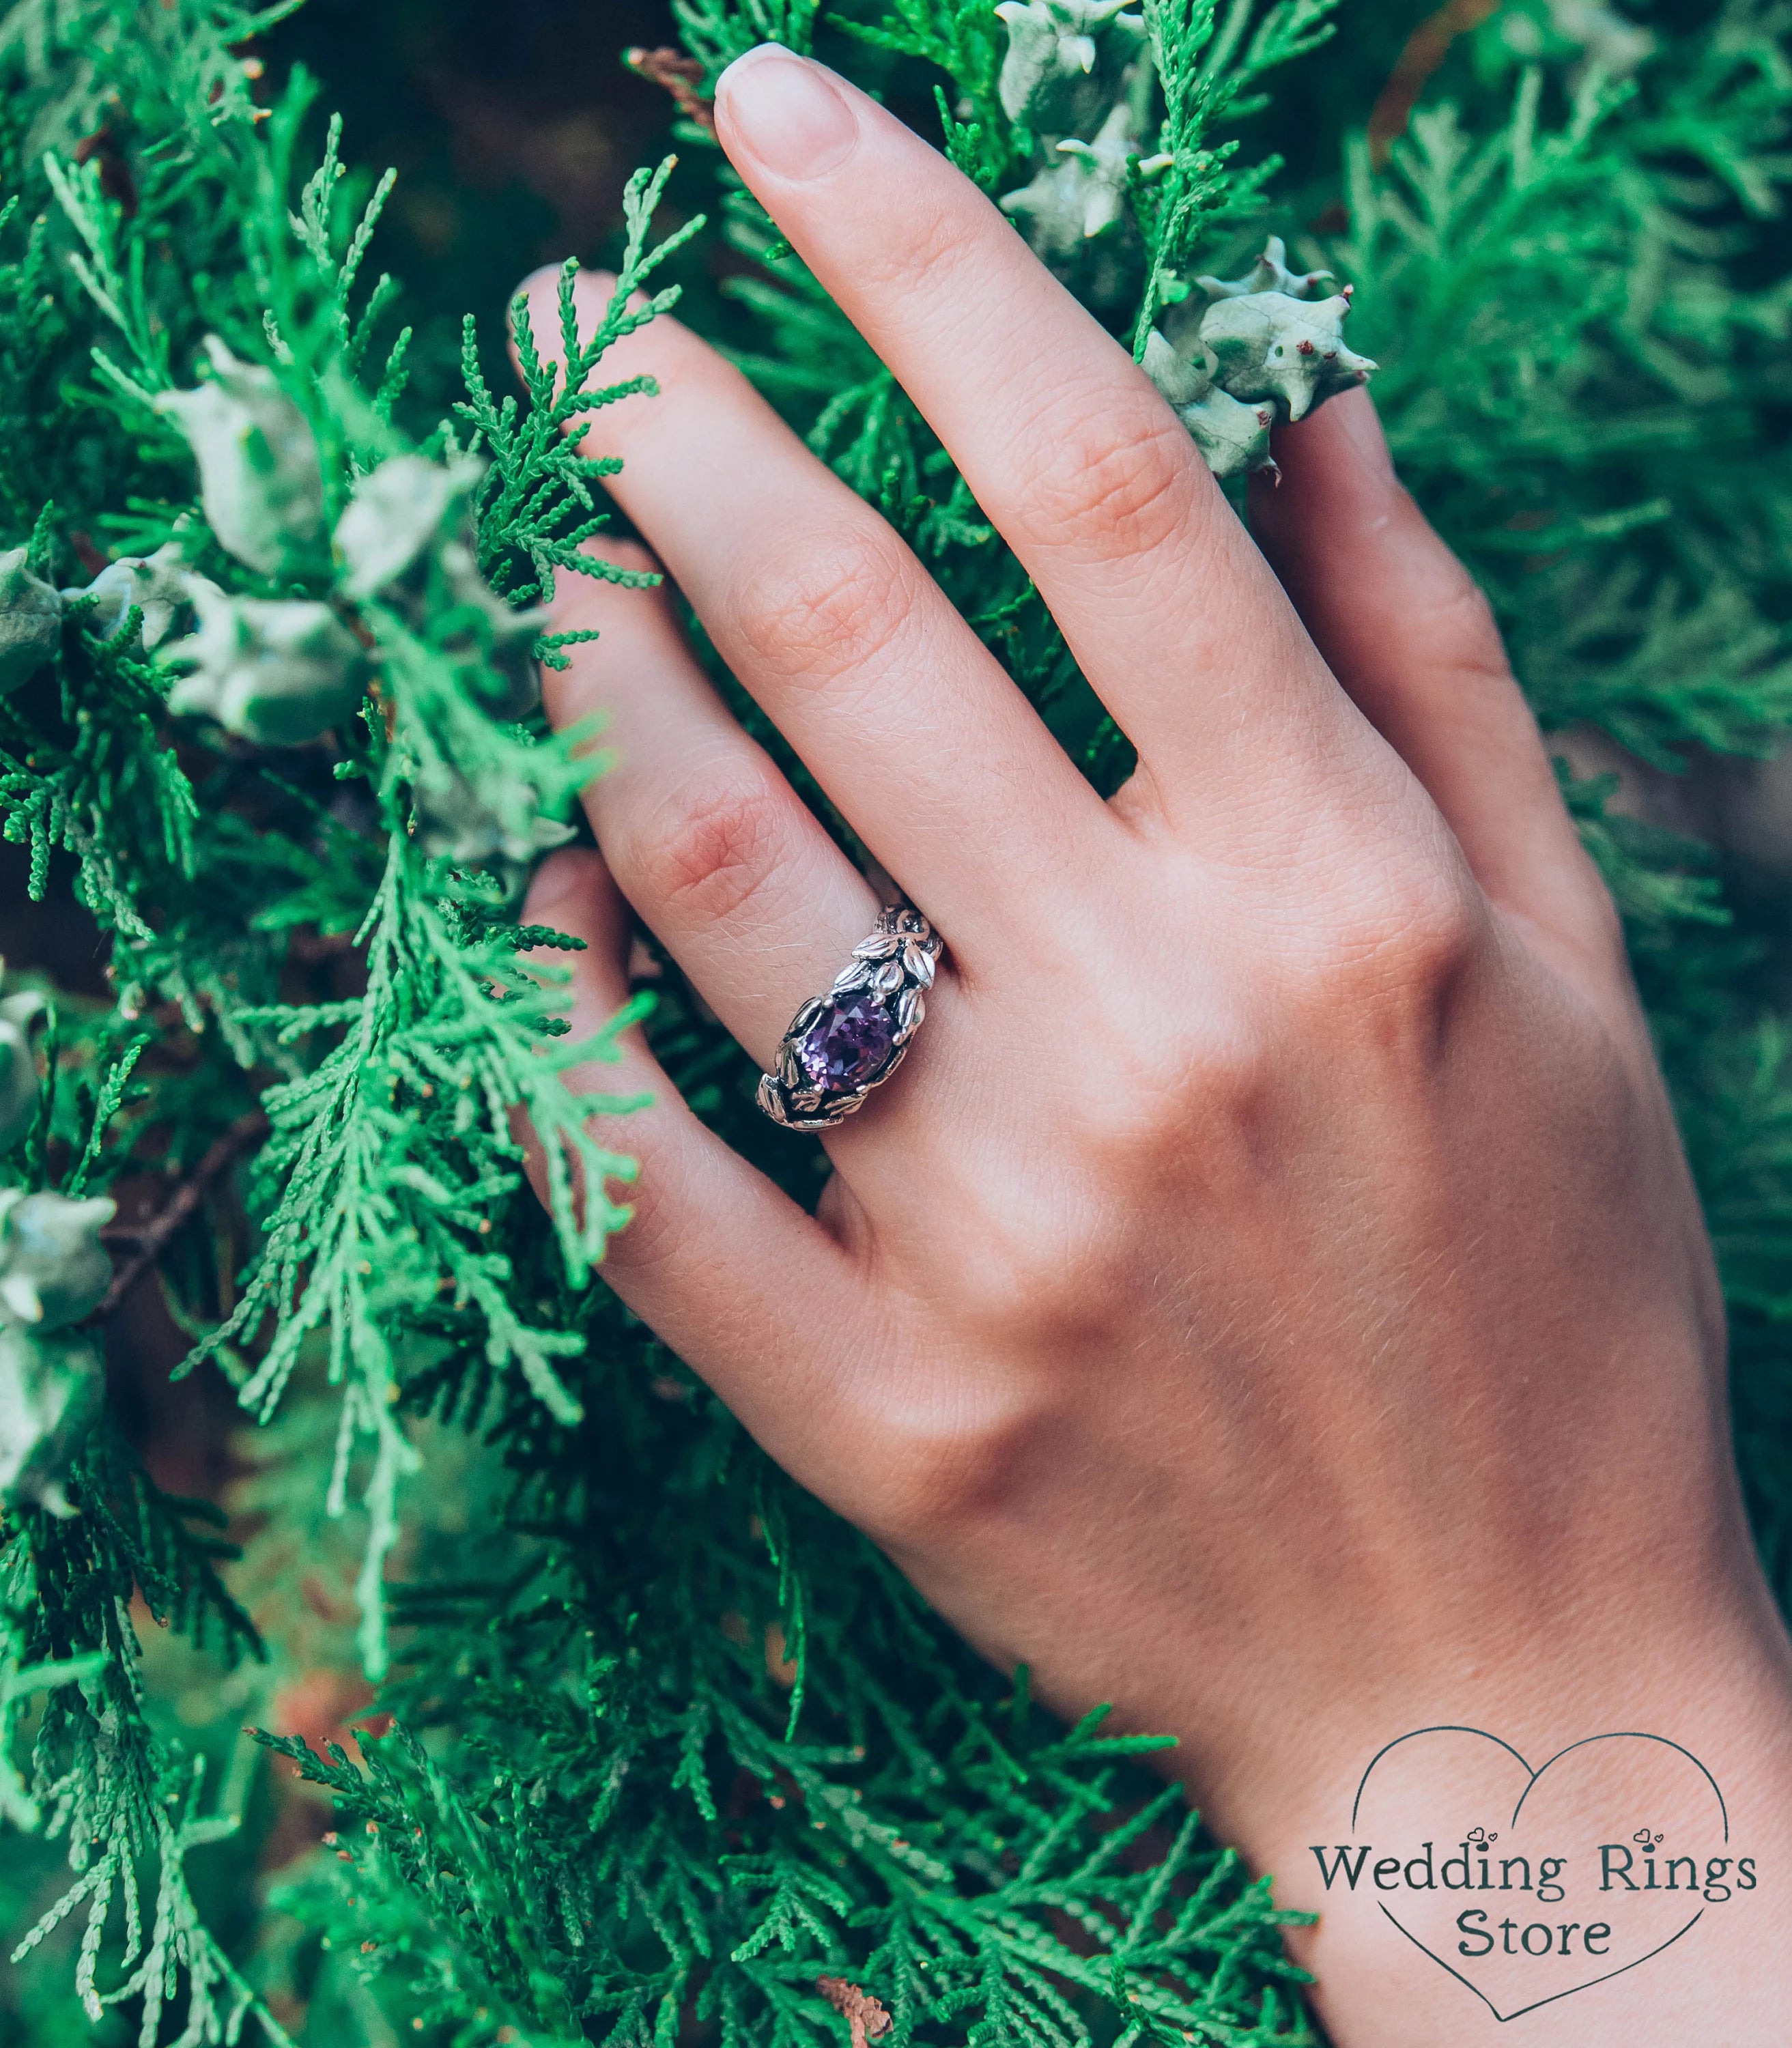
[{"x": 789, "y": 112}]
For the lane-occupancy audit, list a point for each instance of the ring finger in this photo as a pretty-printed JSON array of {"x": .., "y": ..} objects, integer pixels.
[{"x": 702, "y": 832}]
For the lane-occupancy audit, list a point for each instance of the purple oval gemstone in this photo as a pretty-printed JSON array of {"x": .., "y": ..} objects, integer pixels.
[{"x": 848, "y": 1043}]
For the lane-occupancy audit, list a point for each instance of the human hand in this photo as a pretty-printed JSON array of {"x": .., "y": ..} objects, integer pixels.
[{"x": 1256, "y": 1301}]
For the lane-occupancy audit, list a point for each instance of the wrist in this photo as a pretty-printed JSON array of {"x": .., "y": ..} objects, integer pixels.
[{"x": 1476, "y": 1849}]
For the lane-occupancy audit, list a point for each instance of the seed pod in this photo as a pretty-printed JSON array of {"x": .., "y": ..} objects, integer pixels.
[
  {"x": 1270, "y": 273},
  {"x": 396, "y": 512},
  {"x": 454, "y": 822},
  {"x": 53, "y": 1268},
  {"x": 157, "y": 584},
  {"x": 1266, "y": 345},
  {"x": 30, "y": 621},
  {"x": 277, "y": 672},
  {"x": 52, "y": 1389},
  {"x": 504, "y": 635},
  {"x": 1232, "y": 435},
  {"x": 18, "y": 1070},
  {"x": 1563, "y": 31},
  {"x": 1066, "y": 61},
  {"x": 260, "y": 479},
  {"x": 1083, "y": 194},
  {"x": 399, "y": 517}
]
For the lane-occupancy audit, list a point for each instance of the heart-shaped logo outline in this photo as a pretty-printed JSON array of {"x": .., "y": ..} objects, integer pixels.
[{"x": 1611, "y": 1735}]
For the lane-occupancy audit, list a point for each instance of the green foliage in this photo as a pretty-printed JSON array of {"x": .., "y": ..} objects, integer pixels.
[
  {"x": 1209, "y": 63},
  {"x": 716, "y": 32},
  {"x": 390, "y": 1147},
  {"x": 129, "y": 1808},
  {"x": 669, "y": 1746},
  {"x": 631, "y": 1819}
]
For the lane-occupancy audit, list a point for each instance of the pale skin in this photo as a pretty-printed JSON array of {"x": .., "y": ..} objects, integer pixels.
[{"x": 1272, "y": 1296}]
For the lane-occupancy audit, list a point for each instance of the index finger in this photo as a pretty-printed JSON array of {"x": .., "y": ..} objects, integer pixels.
[{"x": 1066, "y": 444}]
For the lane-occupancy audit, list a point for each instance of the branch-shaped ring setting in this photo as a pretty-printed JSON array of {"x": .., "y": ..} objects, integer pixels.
[{"x": 841, "y": 1045}]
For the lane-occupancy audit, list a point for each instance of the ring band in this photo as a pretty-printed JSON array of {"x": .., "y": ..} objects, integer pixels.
[{"x": 841, "y": 1045}]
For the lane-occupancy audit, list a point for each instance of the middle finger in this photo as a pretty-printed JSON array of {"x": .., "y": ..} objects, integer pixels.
[{"x": 1174, "y": 616}]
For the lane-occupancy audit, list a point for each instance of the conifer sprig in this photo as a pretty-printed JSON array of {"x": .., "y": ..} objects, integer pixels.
[
  {"x": 716, "y": 32},
  {"x": 669, "y": 1750},
  {"x": 130, "y": 1807},
  {"x": 536, "y": 497},
  {"x": 1208, "y": 64},
  {"x": 391, "y": 1148}
]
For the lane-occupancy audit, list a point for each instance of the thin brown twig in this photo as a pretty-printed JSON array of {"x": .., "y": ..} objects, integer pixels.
[
  {"x": 1426, "y": 50},
  {"x": 155, "y": 1237},
  {"x": 679, "y": 74}
]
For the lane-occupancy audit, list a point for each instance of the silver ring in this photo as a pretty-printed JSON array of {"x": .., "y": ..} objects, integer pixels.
[{"x": 841, "y": 1045}]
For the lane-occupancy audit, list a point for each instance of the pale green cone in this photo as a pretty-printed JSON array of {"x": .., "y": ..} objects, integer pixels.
[
  {"x": 18, "y": 1069},
  {"x": 261, "y": 482},
  {"x": 51, "y": 1390},
  {"x": 454, "y": 822},
  {"x": 1066, "y": 62},
  {"x": 279, "y": 673},
  {"x": 157, "y": 584},
  {"x": 1233, "y": 435},
  {"x": 53, "y": 1268},
  {"x": 397, "y": 512},
  {"x": 1269, "y": 346},
  {"x": 1083, "y": 194},
  {"x": 30, "y": 621},
  {"x": 1270, "y": 274}
]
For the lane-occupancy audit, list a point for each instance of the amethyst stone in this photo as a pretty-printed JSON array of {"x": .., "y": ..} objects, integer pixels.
[{"x": 848, "y": 1043}]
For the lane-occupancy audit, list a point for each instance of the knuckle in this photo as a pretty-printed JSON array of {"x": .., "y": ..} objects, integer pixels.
[
  {"x": 1183, "y": 1115},
  {"x": 1171, "y": 1055},
  {"x": 929, "y": 241},
  {"x": 1120, "y": 478},
  {"x": 1448, "y": 615},
  {"x": 713, "y": 844},
  {"x": 1225, "y": 1086},
  {"x": 950, "y": 1463},
  {"x": 1377, "y": 902},
  {"x": 826, "y": 611},
  {"x": 1436, "y": 935},
  {"x": 1407, "y": 939},
  {"x": 1462, "y": 617}
]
